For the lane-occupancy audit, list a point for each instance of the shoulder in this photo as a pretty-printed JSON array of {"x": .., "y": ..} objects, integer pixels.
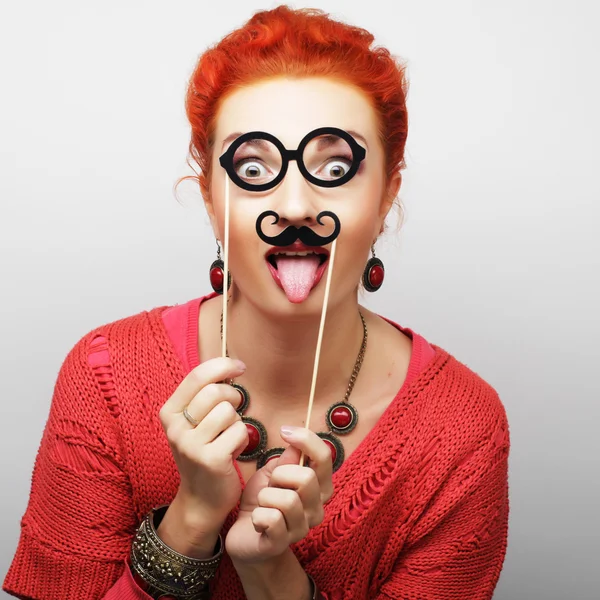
[
  {"x": 448, "y": 399},
  {"x": 92, "y": 357},
  {"x": 123, "y": 331},
  {"x": 92, "y": 389},
  {"x": 466, "y": 411},
  {"x": 471, "y": 393}
]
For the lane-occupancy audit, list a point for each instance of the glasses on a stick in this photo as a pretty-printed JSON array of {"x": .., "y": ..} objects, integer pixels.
[{"x": 327, "y": 157}]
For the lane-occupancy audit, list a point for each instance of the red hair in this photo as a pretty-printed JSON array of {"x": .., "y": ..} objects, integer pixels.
[{"x": 298, "y": 43}]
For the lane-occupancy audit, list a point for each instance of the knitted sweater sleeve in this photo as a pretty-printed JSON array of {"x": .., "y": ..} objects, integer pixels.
[
  {"x": 78, "y": 526},
  {"x": 457, "y": 550}
]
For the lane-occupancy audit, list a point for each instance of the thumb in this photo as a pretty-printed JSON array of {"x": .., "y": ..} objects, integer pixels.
[{"x": 291, "y": 456}]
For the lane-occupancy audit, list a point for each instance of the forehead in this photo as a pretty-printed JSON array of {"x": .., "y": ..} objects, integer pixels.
[{"x": 290, "y": 108}]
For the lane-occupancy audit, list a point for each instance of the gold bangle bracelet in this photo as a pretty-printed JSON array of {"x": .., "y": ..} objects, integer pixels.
[{"x": 165, "y": 569}]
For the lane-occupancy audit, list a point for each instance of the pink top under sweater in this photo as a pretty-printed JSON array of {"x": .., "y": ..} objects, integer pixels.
[{"x": 181, "y": 322}]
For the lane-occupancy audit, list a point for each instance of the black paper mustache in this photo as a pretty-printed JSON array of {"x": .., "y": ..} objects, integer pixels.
[{"x": 291, "y": 234}]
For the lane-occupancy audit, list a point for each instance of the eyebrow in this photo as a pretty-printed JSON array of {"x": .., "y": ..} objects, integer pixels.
[{"x": 236, "y": 134}]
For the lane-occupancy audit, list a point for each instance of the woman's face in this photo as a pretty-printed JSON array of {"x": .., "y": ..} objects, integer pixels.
[{"x": 289, "y": 109}]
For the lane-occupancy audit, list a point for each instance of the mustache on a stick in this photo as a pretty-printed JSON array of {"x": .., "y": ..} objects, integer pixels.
[{"x": 306, "y": 235}]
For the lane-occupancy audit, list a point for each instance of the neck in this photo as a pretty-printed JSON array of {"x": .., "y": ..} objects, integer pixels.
[{"x": 280, "y": 354}]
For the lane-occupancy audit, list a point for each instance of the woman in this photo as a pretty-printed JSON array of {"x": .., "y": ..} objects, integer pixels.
[{"x": 157, "y": 444}]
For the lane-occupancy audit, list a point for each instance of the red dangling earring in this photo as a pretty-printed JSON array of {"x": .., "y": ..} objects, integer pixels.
[
  {"x": 217, "y": 275},
  {"x": 374, "y": 273}
]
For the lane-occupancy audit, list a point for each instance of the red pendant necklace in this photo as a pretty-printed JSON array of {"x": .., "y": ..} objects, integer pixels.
[{"x": 341, "y": 419}]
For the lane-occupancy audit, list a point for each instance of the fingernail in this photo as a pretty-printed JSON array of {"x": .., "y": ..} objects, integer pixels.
[
  {"x": 288, "y": 430},
  {"x": 240, "y": 365}
]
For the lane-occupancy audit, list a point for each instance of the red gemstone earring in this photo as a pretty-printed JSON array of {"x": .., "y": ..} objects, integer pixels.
[
  {"x": 217, "y": 275},
  {"x": 374, "y": 273}
]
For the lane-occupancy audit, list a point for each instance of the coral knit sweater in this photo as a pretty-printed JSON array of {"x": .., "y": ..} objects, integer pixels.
[{"x": 419, "y": 511}]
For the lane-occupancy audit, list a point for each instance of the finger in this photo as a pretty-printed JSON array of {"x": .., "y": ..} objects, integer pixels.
[
  {"x": 209, "y": 397},
  {"x": 220, "y": 417},
  {"x": 320, "y": 456},
  {"x": 302, "y": 482},
  {"x": 270, "y": 521},
  {"x": 232, "y": 441},
  {"x": 205, "y": 408},
  {"x": 289, "y": 504},
  {"x": 211, "y": 371}
]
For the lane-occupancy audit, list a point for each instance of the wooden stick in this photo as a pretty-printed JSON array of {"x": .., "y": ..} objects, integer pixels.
[
  {"x": 319, "y": 340},
  {"x": 226, "y": 269}
]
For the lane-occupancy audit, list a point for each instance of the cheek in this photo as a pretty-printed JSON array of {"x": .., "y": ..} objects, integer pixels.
[
  {"x": 359, "y": 229},
  {"x": 361, "y": 211},
  {"x": 244, "y": 242},
  {"x": 356, "y": 241}
]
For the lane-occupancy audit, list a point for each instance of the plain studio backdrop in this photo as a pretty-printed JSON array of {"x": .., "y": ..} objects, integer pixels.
[{"x": 497, "y": 260}]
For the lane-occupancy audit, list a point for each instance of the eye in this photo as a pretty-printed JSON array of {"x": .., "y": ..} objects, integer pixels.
[
  {"x": 251, "y": 168},
  {"x": 337, "y": 167}
]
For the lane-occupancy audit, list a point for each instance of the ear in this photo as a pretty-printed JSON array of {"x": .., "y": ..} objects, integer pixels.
[
  {"x": 387, "y": 201},
  {"x": 210, "y": 211}
]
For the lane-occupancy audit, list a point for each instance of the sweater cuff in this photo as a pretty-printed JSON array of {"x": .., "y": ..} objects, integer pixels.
[
  {"x": 126, "y": 588},
  {"x": 39, "y": 571}
]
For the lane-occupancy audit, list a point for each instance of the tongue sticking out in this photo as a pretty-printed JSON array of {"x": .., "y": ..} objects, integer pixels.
[{"x": 297, "y": 275}]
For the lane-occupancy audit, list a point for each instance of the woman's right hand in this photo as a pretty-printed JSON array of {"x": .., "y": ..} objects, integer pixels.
[{"x": 210, "y": 485}]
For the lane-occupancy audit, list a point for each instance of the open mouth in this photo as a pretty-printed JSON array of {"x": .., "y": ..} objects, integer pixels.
[
  {"x": 297, "y": 271},
  {"x": 272, "y": 258}
]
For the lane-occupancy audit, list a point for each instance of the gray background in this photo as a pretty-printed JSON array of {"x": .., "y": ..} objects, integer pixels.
[{"x": 497, "y": 262}]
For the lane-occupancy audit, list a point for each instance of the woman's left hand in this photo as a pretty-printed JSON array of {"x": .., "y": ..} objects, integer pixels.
[{"x": 282, "y": 501}]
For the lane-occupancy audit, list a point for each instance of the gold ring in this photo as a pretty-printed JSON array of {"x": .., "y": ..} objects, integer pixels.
[{"x": 189, "y": 417}]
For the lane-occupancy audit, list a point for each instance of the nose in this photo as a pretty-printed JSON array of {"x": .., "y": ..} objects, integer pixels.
[{"x": 295, "y": 200}]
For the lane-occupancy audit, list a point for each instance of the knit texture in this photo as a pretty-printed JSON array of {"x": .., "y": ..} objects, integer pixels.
[{"x": 419, "y": 511}]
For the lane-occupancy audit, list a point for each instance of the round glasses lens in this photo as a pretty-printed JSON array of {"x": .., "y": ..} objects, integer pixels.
[
  {"x": 328, "y": 157},
  {"x": 257, "y": 161}
]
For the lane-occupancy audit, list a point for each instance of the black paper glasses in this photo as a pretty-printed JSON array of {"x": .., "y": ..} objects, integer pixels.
[{"x": 258, "y": 161}]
